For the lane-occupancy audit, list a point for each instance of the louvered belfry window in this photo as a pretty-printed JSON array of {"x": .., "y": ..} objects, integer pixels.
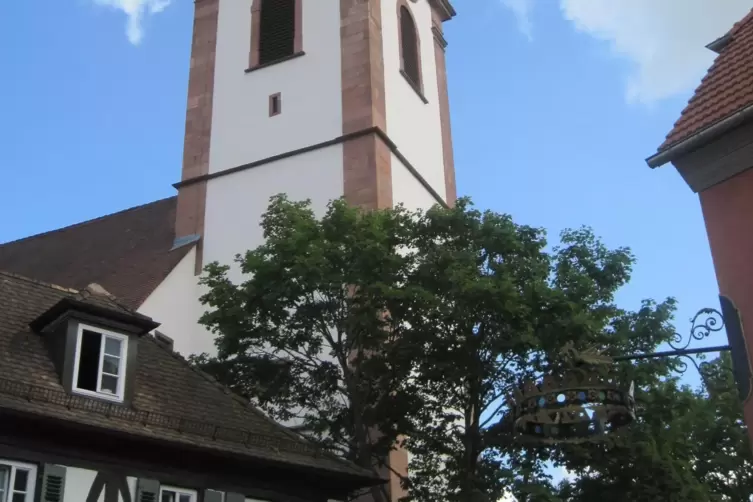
[
  {"x": 277, "y": 30},
  {"x": 409, "y": 42}
]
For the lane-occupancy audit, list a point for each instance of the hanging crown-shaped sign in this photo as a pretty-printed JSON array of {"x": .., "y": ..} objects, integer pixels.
[{"x": 586, "y": 403}]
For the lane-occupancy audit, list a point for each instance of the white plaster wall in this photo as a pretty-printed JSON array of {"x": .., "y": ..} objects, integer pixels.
[
  {"x": 406, "y": 189},
  {"x": 175, "y": 304},
  {"x": 78, "y": 482},
  {"x": 413, "y": 125},
  {"x": 242, "y": 130},
  {"x": 236, "y": 202}
]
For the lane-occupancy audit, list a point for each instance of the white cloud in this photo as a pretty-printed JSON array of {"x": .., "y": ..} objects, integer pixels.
[
  {"x": 664, "y": 40},
  {"x": 521, "y": 9},
  {"x": 136, "y": 11}
]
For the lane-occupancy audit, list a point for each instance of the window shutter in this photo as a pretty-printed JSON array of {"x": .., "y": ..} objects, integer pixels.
[
  {"x": 53, "y": 483},
  {"x": 147, "y": 491},
  {"x": 277, "y": 36},
  {"x": 235, "y": 497},
  {"x": 212, "y": 496}
]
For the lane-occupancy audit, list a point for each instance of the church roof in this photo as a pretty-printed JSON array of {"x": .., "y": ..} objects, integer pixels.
[
  {"x": 128, "y": 253},
  {"x": 172, "y": 401},
  {"x": 726, "y": 89}
]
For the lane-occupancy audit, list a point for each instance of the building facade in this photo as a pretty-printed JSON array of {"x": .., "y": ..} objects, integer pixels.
[{"x": 711, "y": 145}]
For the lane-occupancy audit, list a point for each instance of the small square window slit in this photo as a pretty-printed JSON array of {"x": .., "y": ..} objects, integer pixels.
[{"x": 275, "y": 104}]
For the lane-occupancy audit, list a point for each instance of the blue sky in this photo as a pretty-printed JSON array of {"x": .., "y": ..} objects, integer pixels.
[{"x": 555, "y": 105}]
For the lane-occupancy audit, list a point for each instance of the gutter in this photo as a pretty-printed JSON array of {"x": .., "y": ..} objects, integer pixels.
[{"x": 700, "y": 138}]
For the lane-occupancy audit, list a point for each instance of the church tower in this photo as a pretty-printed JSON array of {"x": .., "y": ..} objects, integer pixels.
[{"x": 317, "y": 99}]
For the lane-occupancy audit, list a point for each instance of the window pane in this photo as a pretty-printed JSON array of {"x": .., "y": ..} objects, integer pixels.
[
  {"x": 19, "y": 497},
  {"x": 109, "y": 384},
  {"x": 168, "y": 496},
  {"x": 4, "y": 478},
  {"x": 88, "y": 363},
  {"x": 110, "y": 365},
  {"x": 22, "y": 479},
  {"x": 112, "y": 346},
  {"x": 185, "y": 497}
]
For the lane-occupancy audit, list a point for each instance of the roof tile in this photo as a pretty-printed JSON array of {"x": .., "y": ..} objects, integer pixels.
[{"x": 726, "y": 88}]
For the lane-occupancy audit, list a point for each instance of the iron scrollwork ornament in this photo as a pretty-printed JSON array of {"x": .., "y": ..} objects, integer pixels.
[
  {"x": 703, "y": 324},
  {"x": 584, "y": 404}
]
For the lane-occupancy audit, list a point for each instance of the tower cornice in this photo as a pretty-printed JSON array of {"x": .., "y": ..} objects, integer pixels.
[{"x": 445, "y": 9}]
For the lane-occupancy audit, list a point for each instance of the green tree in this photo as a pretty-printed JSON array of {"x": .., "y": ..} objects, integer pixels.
[
  {"x": 370, "y": 327},
  {"x": 495, "y": 308},
  {"x": 312, "y": 332}
]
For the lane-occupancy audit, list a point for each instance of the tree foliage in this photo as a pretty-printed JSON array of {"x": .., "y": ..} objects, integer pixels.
[
  {"x": 310, "y": 330},
  {"x": 496, "y": 307},
  {"x": 687, "y": 444},
  {"x": 378, "y": 328}
]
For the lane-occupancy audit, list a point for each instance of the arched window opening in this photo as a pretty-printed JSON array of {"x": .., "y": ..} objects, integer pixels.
[
  {"x": 409, "y": 47},
  {"x": 277, "y": 30}
]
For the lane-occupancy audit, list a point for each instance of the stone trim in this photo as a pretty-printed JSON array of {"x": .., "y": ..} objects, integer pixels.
[
  {"x": 417, "y": 86},
  {"x": 440, "y": 44},
  {"x": 189, "y": 218},
  {"x": 253, "y": 57},
  {"x": 367, "y": 170},
  {"x": 443, "y": 9},
  {"x": 381, "y": 135},
  {"x": 277, "y": 61}
]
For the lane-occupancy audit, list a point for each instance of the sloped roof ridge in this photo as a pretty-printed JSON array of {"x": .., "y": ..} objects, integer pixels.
[
  {"x": 87, "y": 222},
  {"x": 95, "y": 289},
  {"x": 738, "y": 25},
  {"x": 38, "y": 282}
]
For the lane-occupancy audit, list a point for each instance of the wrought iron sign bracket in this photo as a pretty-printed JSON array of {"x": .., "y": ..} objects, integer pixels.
[
  {"x": 704, "y": 323},
  {"x": 585, "y": 401}
]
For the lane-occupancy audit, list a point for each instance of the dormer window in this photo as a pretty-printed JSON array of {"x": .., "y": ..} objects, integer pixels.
[{"x": 99, "y": 368}]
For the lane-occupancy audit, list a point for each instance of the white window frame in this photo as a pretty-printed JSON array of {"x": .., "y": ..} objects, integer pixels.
[
  {"x": 31, "y": 483},
  {"x": 179, "y": 491},
  {"x": 123, "y": 339}
]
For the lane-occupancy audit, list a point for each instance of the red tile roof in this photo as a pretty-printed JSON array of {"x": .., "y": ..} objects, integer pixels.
[
  {"x": 127, "y": 253},
  {"x": 726, "y": 88}
]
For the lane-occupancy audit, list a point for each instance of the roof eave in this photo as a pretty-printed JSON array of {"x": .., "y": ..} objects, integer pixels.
[
  {"x": 700, "y": 138},
  {"x": 351, "y": 480},
  {"x": 141, "y": 324}
]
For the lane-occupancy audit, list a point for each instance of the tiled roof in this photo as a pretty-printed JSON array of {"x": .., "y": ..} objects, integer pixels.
[
  {"x": 167, "y": 390},
  {"x": 726, "y": 88},
  {"x": 127, "y": 253}
]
